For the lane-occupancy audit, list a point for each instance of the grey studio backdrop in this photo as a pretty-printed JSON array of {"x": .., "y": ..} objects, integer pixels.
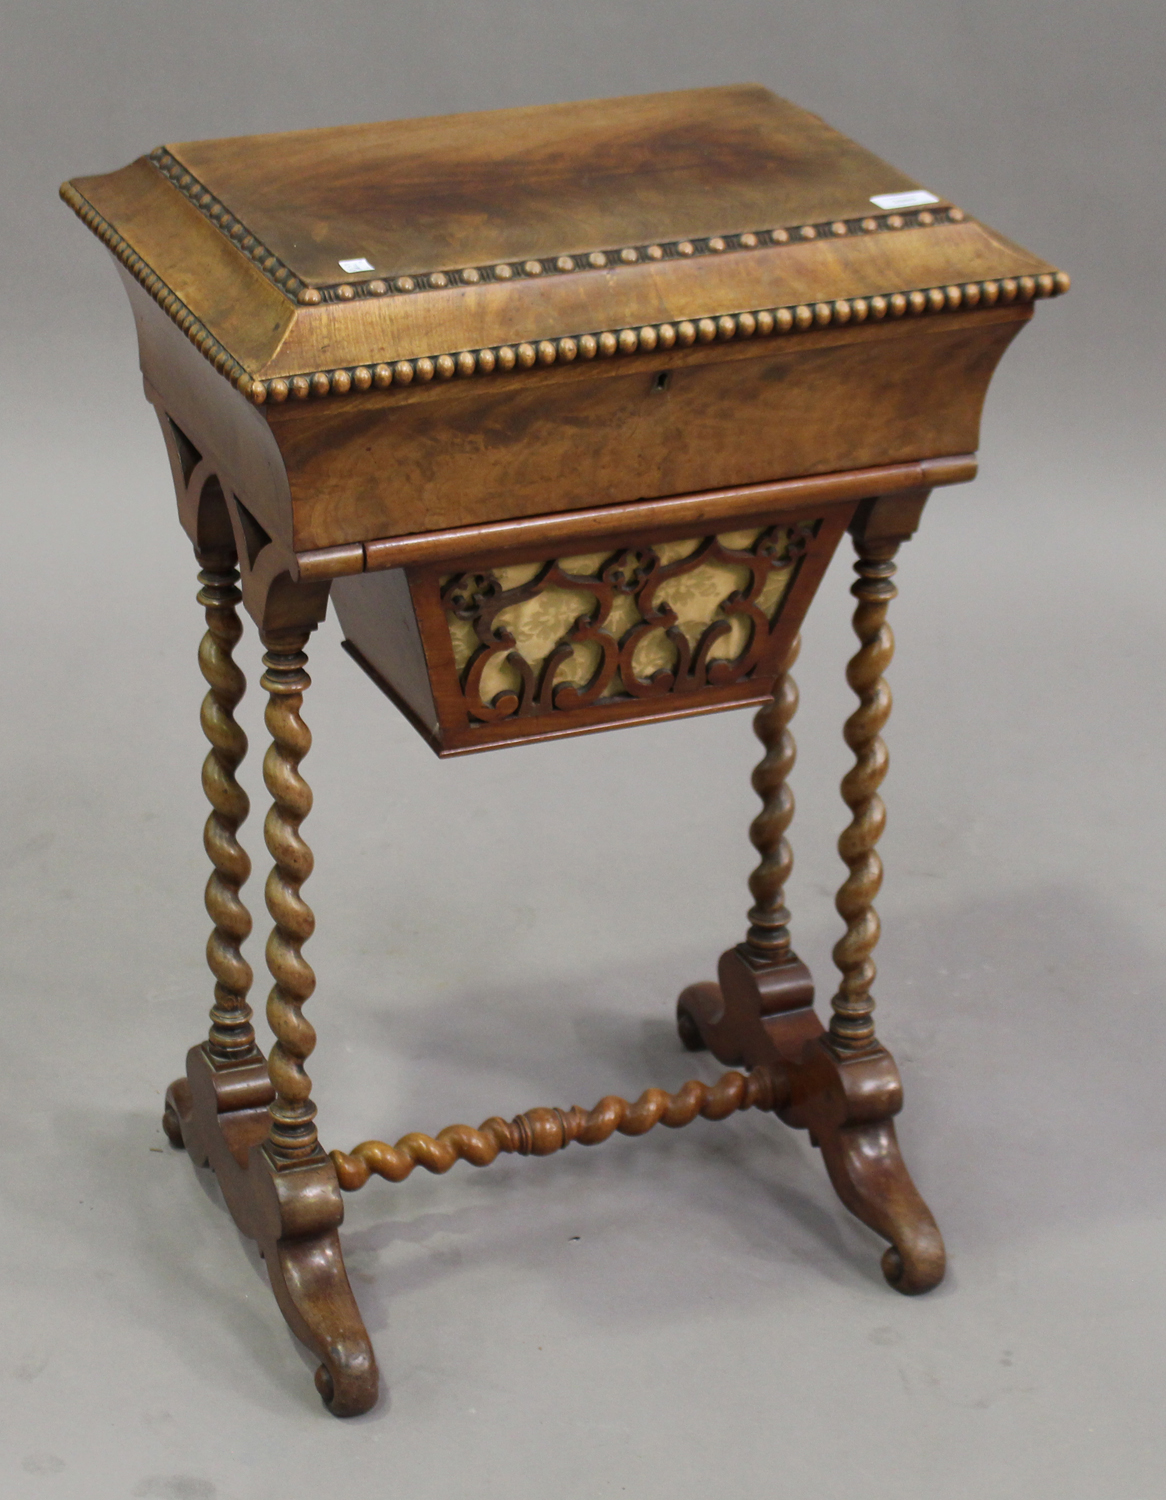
[{"x": 689, "y": 1315}]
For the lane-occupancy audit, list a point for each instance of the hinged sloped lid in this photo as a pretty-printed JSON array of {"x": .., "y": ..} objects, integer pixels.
[{"x": 329, "y": 260}]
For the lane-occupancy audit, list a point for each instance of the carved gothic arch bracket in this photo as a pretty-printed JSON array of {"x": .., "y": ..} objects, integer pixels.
[{"x": 222, "y": 528}]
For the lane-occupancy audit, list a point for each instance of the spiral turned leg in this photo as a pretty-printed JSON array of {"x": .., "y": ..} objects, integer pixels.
[
  {"x": 848, "y": 1090},
  {"x": 852, "y": 1023},
  {"x": 296, "y": 1193},
  {"x": 232, "y": 1035},
  {"x": 293, "y": 1115},
  {"x": 768, "y": 937},
  {"x": 231, "y": 1040},
  {"x": 760, "y": 1009}
]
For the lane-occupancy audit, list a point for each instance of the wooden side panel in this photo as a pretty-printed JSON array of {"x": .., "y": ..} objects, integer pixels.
[
  {"x": 390, "y": 464},
  {"x": 222, "y": 424},
  {"x": 376, "y": 614},
  {"x": 699, "y": 513}
]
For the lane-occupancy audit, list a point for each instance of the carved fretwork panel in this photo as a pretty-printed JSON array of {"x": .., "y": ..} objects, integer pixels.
[
  {"x": 493, "y": 648},
  {"x": 545, "y": 638}
]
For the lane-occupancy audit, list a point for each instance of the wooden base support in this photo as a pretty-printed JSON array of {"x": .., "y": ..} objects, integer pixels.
[
  {"x": 253, "y": 1122},
  {"x": 763, "y": 1016},
  {"x": 220, "y": 1113},
  {"x": 541, "y": 1132}
]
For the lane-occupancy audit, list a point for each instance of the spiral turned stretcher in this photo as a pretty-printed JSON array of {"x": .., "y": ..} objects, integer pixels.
[{"x": 542, "y": 1132}]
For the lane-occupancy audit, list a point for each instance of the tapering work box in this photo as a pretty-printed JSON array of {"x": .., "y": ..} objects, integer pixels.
[{"x": 566, "y": 409}]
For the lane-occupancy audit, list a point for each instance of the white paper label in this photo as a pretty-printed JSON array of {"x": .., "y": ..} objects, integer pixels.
[
  {"x": 916, "y": 198},
  {"x": 360, "y": 264}
]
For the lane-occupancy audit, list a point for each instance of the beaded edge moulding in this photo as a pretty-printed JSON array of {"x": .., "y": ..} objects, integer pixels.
[
  {"x": 607, "y": 343},
  {"x": 284, "y": 278}
]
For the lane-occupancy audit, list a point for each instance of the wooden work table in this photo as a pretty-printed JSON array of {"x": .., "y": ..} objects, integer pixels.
[{"x": 565, "y": 409}]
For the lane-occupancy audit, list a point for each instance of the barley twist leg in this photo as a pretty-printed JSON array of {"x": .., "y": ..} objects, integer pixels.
[
  {"x": 843, "y": 1087},
  {"x": 852, "y": 1023},
  {"x": 760, "y": 1008},
  {"x": 847, "y": 1090},
  {"x": 231, "y": 1039},
  {"x": 293, "y": 1128},
  {"x": 768, "y": 937},
  {"x": 232, "y": 1035},
  {"x": 294, "y": 1183}
]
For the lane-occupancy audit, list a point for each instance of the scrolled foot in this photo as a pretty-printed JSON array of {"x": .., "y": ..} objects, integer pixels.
[
  {"x": 180, "y": 1124},
  {"x": 300, "y": 1214},
  {"x": 847, "y": 1105},
  {"x": 699, "y": 1002},
  {"x": 348, "y": 1391},
  {"x": 918, "y": 1261},
  {"x": 871, "y": 1177},
  {"x": 312, "y": 1289},
  {"x": 221, "y": 1115},
  {"x": 756, "y": 1014},
  {"x": 172, "y": 1113},
  {"x": 707, "y": 1024}
]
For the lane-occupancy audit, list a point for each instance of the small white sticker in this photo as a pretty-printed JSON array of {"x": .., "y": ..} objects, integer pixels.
[
  {"x": 360, "y": 264},
  {"x": 916, "y": 198}
]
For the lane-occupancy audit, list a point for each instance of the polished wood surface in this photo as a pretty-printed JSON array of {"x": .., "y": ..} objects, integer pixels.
[
  {"x": 293, "y": 1115},
  {"x": 852, "y": 1022},
  {"x": 768, "y": 938},
  {"x": 326, "y": 262},
  {"x": 674, "y": 515},
  {"x": 292, "y": 1210},
  {"x": 844, "y": 1087},
  {"x": 412, "y": 462},
  {"x": 390, "y": 463},
  {"x": 563, "y": 340},
  {"x": 418, "y": 195},
  {"x": 542, "y": 1132},
  {"x": 232, "y": 1034}
]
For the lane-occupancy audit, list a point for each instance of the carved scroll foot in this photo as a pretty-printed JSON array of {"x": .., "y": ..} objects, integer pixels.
[
  {"x": 177, "y": 1106},
  {"x": 298, "y": 1211},
  {"x": 758, "y": 1016},
  {"x": 698, "y": 1003},
  {"x": 220, "y": 1113},
  {"x": 847, "y": 1103}
]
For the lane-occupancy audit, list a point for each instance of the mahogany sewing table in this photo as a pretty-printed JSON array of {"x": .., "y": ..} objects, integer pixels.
[{"x": 566, "y": 408}]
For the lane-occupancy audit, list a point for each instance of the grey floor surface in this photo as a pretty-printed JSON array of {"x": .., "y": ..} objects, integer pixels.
[{"x": 691, "y": 1314}]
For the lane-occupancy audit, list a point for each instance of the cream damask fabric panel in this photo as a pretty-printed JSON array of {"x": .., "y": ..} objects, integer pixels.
[{"x": 696, "y": 597}]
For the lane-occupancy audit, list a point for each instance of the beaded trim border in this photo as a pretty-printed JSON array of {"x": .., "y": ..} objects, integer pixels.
[
  {"x": 282, "y": 276},
  {"x": 765, "y": 322},
  {"x": 171, "y": 304},
  {"x": 234, "y": 229}
]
